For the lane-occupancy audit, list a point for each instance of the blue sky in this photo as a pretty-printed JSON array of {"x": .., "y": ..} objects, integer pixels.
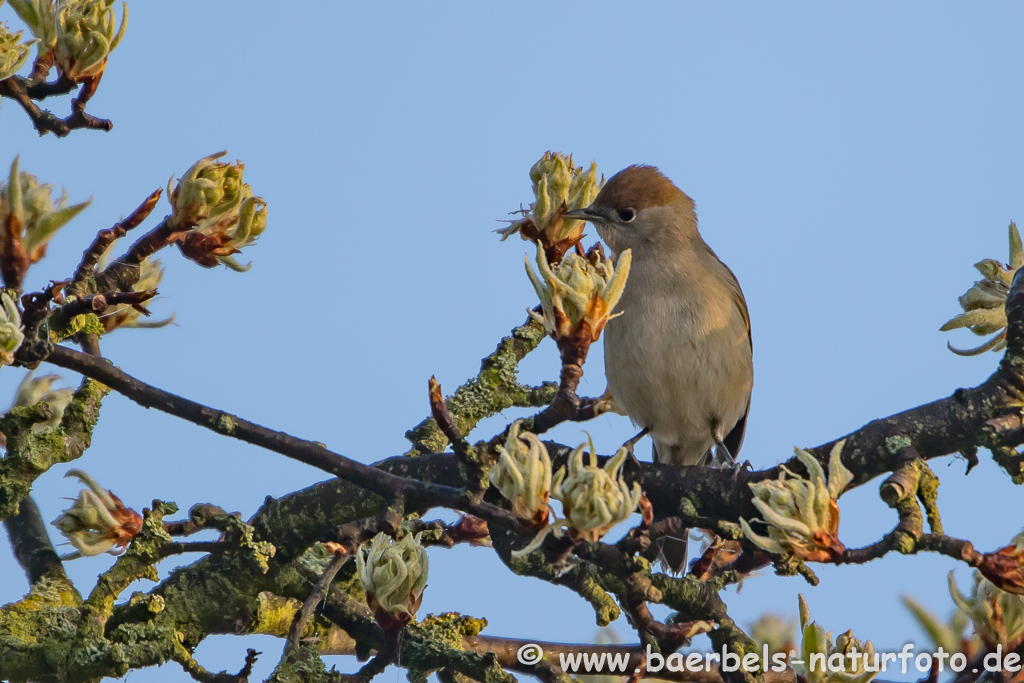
[{"x": 850, "y": 164}]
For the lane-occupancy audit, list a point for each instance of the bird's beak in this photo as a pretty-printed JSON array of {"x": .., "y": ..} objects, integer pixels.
[{"x": 587, "y": 214}]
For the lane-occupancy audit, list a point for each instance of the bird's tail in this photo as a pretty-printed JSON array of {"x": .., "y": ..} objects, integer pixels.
[{"x": 672, "y": 551}]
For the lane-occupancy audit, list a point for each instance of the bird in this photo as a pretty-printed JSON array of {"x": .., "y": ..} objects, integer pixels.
[{"x": 679, "y": 358}]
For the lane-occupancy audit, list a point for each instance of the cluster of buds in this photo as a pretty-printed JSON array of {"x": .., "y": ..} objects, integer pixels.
[
  {"x": 847, "y": 660},
  {"x": 998, "y": 616},
  {"x": 984, "y": 303},
  {"x": 802, "y": 514},
  {"x": 212, "y": 198},
  {"x": 86, "y": 34},
  {"x": 11, "y": 336},
  {"x": 98, "y": 522},
  {"x": 578, "y": 295},
  {"x": 594, "y": 499},
  {"x": 29, "y": 218},
  {"x": 13, "y": 53},
  {"x": 393, "y": 575},
  {"x": 33, "y": 390},
  {"x": 523, "y": 476},
  {"x": 1005, "y": 567},
  {"x": 558, "y": 187}
]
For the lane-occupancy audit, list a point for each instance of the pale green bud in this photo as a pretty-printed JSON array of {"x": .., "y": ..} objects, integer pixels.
[
  {"x": 998, "y": 616},
  {"x": 393, "y": 574},
  {"x": 773, "y": 631},
  {"x": 41, "y": 18},
  {"x": 11, "y": 336},
  {"x": 802, "y": 514},
  {"x": 30, "y": 206},
  {"x": 227, "y": 217},
  {"x": 558, "y": 187},
  {"x": 86, "y": 34},
  {"x": 13, "y": 53},
  {"x": 578, "y": 291},
  {"x": 984, "y": 304},
  {"x": 98, "y": 522},
  {"x": 523, "y": 475},
  {"x": 816, "y": 647},
  {"x": 595, "y": 499},
  {"x": 33, "y": 390},
  {"x": 208, "y": 190}
]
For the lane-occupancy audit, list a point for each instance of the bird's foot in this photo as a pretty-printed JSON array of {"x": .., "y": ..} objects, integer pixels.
[
  {"x": 629, "y": 446},
  {"x": 739, "y": 467}
]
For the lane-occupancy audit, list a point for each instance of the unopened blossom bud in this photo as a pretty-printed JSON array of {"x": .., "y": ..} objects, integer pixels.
[
  {"x": 558, "y": 187},
  {"x": 998, "y": 616},
  {"x": 523, "y": 476},
  {"x": 33, "y": 390},
  {"x": 98, "y": 522},
  {"x": 13, "y": 53},
  {"x": 212, "y": 198},
  {"x": 29, "y": 215},
  {"x": 393, "y": 575},
  {"x": 11, "y": 335},
  {"x": 1005, "y": 567},
  {"x": 801, "y": 513},
  {"x": 817, "y": 643},
  {"x": 984, "y": 303},
  {"x": 208, "y": 190},
  {"x": 577, "y": 295},
  {"x": 40, "y": 16},
  {"x": 595, "y": 498},
  {"x": 86, "y": 34}
]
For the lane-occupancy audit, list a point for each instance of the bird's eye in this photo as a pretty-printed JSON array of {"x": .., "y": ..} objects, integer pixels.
[{"x": 626, "y": 215}]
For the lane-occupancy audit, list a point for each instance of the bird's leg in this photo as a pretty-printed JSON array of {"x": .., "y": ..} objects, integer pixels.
[
  {"x": 632, "y": 442},
  {"x": 725, "y": 459}
]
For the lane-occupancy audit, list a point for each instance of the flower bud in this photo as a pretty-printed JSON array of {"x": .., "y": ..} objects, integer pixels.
[
  {"x": 998, "y": 616},
  {"x": 212, "y": 198},
  {"x": 393, "y": 574},
  {"x": 578, "y": 294},
  {"x": 802, "y": 514},
  {"x": 595, "y": 499},
  {"x": 13, "y": 53},
  {"x": 817, "y": 643},
  {"x": 1005, "y": 567},
  {"x": 40, "y": 16},
  {"x": 86, "y": 34},
  {"x": 558, "y": 187},
  {"x": 98, "y": 522},
  {"x": 523, "y": 476},
  {"x": 33, "y": 390},
  {"x": 984, "y": 304},
  {"x": 11, "y": 335},
  {"x": 29, "y": 215}
]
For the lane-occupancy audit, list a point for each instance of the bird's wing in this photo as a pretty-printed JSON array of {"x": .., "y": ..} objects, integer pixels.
[{"x": 734, "y": 439}]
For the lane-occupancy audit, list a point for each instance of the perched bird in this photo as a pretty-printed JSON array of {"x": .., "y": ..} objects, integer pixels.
[{"x": 679, "y": 358}]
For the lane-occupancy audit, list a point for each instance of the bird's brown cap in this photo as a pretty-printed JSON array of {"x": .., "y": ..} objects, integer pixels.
[{"x": 638, "y": 187}]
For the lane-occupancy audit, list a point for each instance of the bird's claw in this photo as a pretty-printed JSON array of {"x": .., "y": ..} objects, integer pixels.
[{"x": 629, "y": 446}]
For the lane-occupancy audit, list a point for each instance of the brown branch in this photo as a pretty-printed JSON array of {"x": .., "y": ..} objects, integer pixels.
[
  {"x": 311, "y": 453},
  {"x": 318, "y": 593},
  {"x": 31, "y": 543},
  {"x": 43, "y": 89},
  {"x": 197, "y": 672},
  {"x": 46, "y": 122},
  {"x": 104, "y": 238}
]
